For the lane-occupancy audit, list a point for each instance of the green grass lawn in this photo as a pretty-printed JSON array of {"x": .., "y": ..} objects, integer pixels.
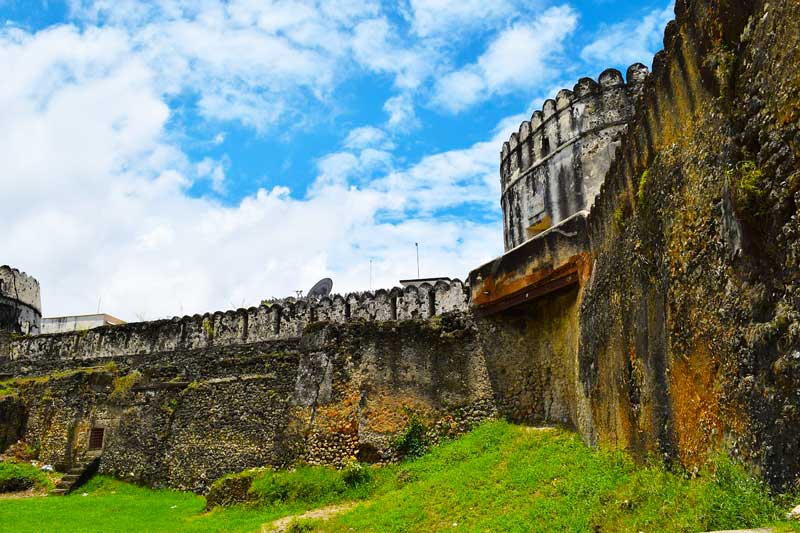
[
  {"x": 112, "y": 505},
  {"x": 500, "y": 477}
]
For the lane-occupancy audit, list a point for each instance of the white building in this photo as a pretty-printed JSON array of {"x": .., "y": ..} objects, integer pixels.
[{"x": 63, "y": 324}]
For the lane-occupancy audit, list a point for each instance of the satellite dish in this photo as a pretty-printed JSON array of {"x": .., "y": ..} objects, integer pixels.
[{"x": 321, "y": 289}]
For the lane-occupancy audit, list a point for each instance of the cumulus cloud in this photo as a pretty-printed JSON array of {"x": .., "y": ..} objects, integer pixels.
[
  {"x": 436, "y": 17},
  {"x": 630, "y": 41},
  {"x": 368, "y": 137},
  {"x": 377, "y": 47},
  {"x": 100, "y": 200},
  {"x": 97, "y": 204},
  {"x": 402, "y": 116},
  {"x": 520, "y": 57},
  {"x": 253, "y": 62}
]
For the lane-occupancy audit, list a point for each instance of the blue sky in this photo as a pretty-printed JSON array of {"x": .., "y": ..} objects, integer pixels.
[{"x": 175, "y": 156}]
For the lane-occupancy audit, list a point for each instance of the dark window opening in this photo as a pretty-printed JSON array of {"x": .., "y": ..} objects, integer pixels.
[{"x": 96, "y": 438}]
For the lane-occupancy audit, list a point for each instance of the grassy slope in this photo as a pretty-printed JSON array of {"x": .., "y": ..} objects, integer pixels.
[
  {"x": 507, "y": 478},
  {"x": 498, "y": 478},
  {"x": 17, "y": 474}
]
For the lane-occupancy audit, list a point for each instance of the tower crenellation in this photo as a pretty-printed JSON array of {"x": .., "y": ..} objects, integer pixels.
[
  {"x": 20, "y": 302},
  {"x": 554, "y": 165}
]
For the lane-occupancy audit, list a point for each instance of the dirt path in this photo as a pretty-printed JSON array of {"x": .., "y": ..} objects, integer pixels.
[{"x": 324, "y": 513}]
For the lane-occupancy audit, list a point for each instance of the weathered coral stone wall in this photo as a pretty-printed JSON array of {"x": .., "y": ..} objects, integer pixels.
[
  {"x": 685, "y": 338},
  {"x": 530, "y": 353},
  {"x": 185, "y": 417},
  {"x": 690, "y": 326}
]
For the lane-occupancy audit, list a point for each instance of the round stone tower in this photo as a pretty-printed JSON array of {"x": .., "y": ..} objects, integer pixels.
[
  {"x": 555, "y": 164},
  {"x": 20, "y": 304}
]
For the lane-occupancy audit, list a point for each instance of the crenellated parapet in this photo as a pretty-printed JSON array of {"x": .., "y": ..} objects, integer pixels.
[
  {"x": 554, "y": 165},
  {"x": 284, "y": 319},
  {"x": 20, "y": 303}
]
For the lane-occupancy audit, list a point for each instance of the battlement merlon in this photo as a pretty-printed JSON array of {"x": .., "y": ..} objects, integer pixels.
[
  {"x": 554, "y": 165},
  {"x": 277, "y": 321},
  {"x": 21, "y": 287}
]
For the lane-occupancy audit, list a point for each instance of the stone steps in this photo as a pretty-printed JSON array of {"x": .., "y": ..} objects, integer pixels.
[{"x": 76, "y": 476}]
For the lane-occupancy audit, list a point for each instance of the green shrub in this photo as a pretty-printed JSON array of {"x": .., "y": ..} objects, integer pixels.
[
  {"x": 308, "y": 484},
  {"x": 413, "y": 441},
  {"x": 31, "y": 451},
  {"x": 301, "y": 526},
  {"x": 15, "y": 477},
  {"x": 232, "y": 489},
  {"x": 356, "y": 474},
  {"x": 619, "y": 218},
  {"x": 8, "y": 388},
  {"x": 208, "y": 328}
]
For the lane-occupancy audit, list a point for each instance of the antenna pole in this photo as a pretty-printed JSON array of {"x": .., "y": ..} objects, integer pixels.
[
  {"x": 370, "y": 274},
  {"x": 416, "y": 245}
]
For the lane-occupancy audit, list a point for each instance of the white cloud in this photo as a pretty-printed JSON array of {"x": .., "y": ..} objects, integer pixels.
[
  {"x": 250, "y": 61},
  {"x": 377, "y": 47},
  {"x": 342, "y": 168},
  {"x": 368, "y": 137},
  {"x": 520, "y": 57},
  {"x": 402, "y": 116},
  {"x": 267, "y": 63},
  {"x": 460, "y": 89},
  {"x": 96, "y": 203},
  {"x": 631, "y": 41},
  {"x": 436, "y": 17},
  {"x": 214, "y": 171},
  {"x": 100, "y": 200}
]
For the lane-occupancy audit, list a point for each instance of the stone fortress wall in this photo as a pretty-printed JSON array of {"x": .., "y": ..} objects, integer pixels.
[
  {"x": 20, "y": 303},
  {"x": 676, "y": 336},
  {"x": 555, "y": 164},
  {"x": 284, "y": 319}
]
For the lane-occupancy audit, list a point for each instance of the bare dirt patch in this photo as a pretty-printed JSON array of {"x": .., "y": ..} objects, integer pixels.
[{"x": 324, "y": 513}]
